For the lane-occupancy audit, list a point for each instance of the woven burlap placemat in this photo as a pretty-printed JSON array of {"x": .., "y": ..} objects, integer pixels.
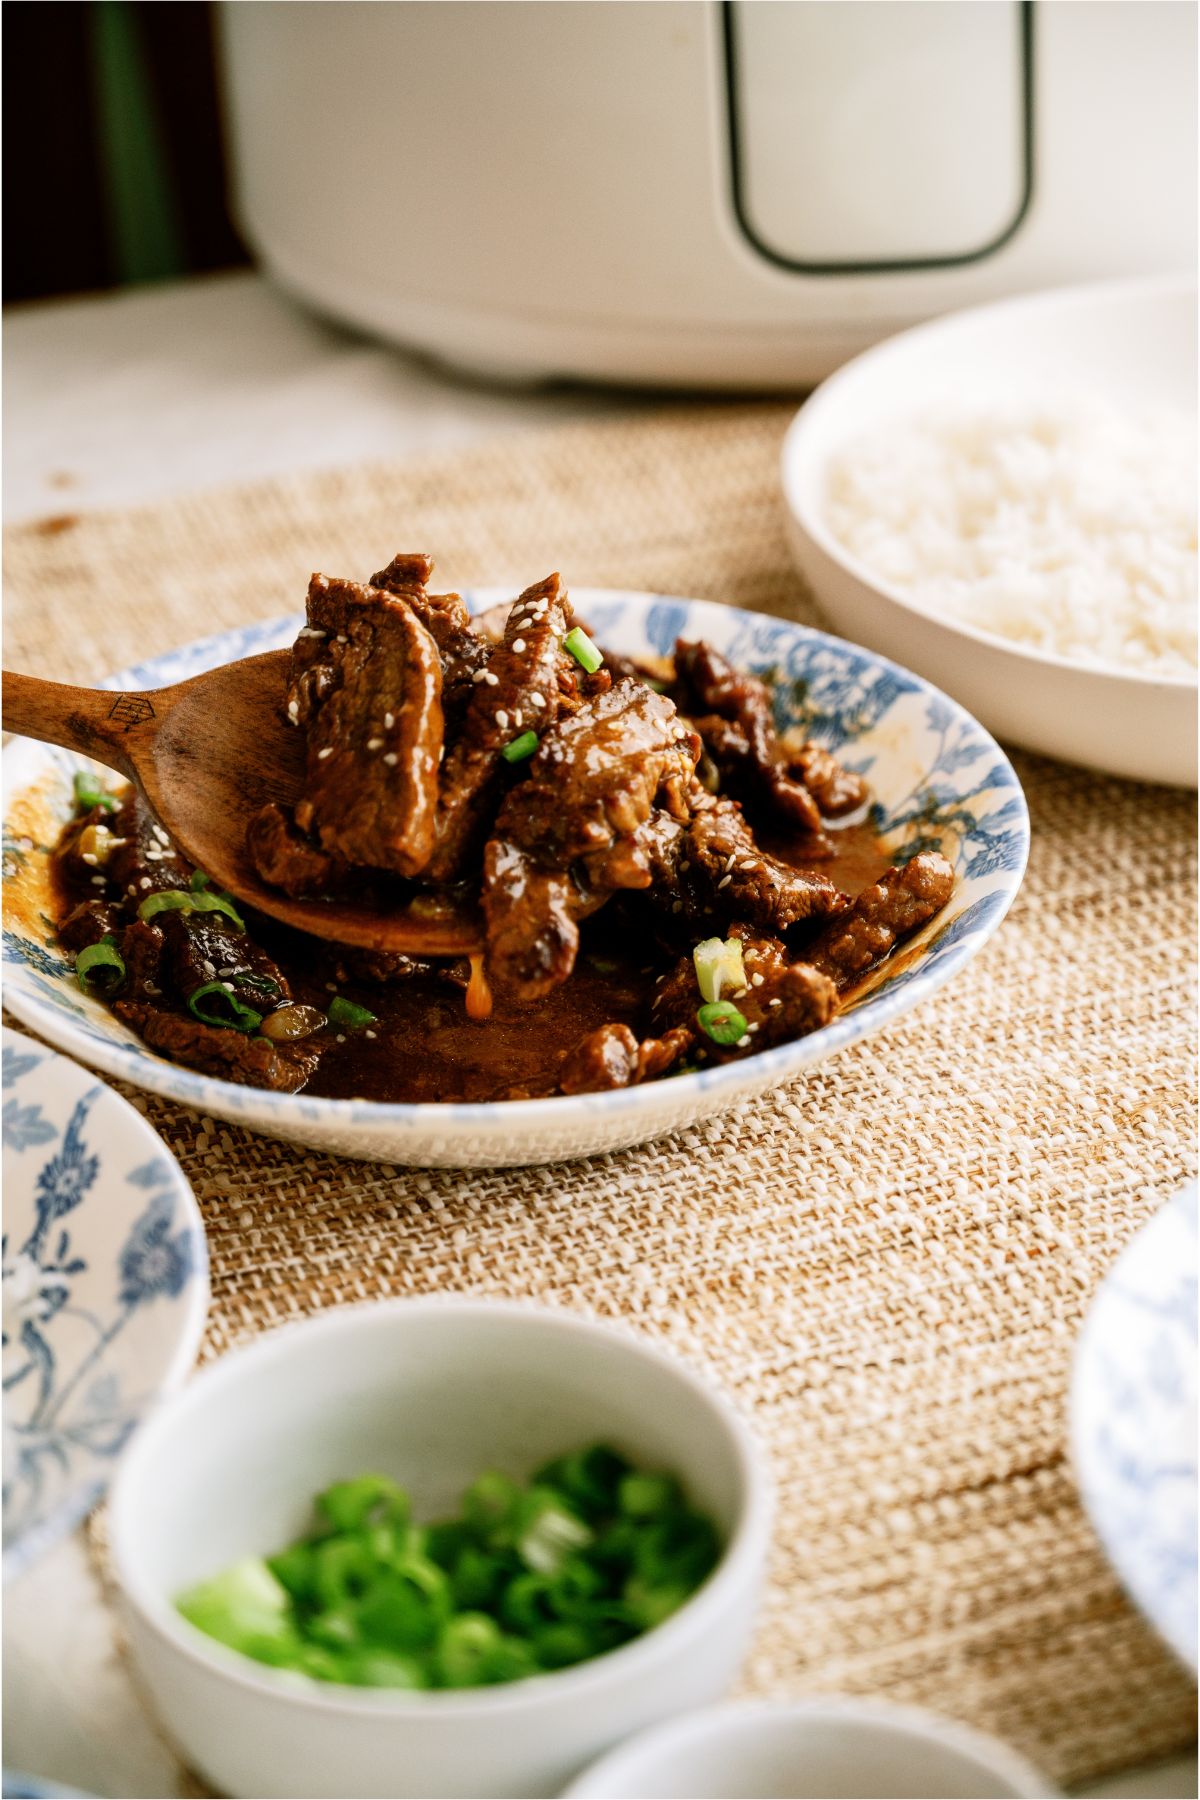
[{"x": 886, "y": 1261}]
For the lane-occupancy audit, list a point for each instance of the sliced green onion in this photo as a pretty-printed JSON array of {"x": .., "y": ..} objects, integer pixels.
[
  {"x": 548, "y": 1532},
  {"x": 367, "y": 1500},
  {"x": 344, "y": 1012},
  {"x": 722, "y": 1021},
  {"x": 222, "y": 1007},
  {"x": 185, "y": 901},
  {"x": 101, "y": 964},
  {"x": 719, "y": 964},
  {"x": 578, "y": 644},
  {"x": 199, "y": 881},
  {"x": 258, "y": 987},
  {"x": 89, "y": 793},
  {"x": 244, "y": 1607},
  {"x": 520, "y": 747}
]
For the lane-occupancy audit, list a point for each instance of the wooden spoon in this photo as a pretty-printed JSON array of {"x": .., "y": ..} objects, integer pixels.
[{"x": 208, "y": 754}]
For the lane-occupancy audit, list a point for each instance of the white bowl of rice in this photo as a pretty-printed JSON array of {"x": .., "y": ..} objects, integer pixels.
[{"x": 1005, "y": 501}]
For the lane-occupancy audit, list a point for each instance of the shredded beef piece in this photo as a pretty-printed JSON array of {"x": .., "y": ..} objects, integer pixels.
[
  {"x": 712, "y": 871},
  {"x": 204, "y": 947},
  {"x": 750, "y": 757},
  {"x": 835, "y": 790},
  {"x": 231, "y": 1054},
  {"x": 448, "y": 623},
  {"x": 87, "y": 923},
  {"x": 146, "y": 862},
  {"x": 518, "y": 692},
  {"x": 386, "y": 966},
  {"x": 141, "y": 947},
  {"x": 286, "y": 859},
  {"x": 591, "y": 786},
  {"x": 882, "y": 916},
  {"x": 366, "y": 685},
  {"x": 612, "y": 1057}
]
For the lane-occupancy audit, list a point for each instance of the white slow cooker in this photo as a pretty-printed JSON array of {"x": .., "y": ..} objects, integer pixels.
[{"x": 684, "y": 192}]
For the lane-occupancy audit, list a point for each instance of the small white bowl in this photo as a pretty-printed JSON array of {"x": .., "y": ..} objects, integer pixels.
[
  {"x": 1131, "y": 343},
  {"x": 823, "y": 1749},
  {"x": 431, "y": 1392}
]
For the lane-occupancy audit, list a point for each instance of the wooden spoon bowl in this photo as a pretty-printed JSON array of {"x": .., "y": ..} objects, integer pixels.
[{"x": 208, "y": 754}]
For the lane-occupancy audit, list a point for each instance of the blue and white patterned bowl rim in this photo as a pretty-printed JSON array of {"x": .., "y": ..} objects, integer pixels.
[
  {"x": 848, "y": 689},
  {"x": 1133, "y": 1419},
  {"x": 162, "y": 1179}
]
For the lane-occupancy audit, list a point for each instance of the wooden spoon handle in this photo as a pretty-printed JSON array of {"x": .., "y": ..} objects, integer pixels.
[{"x": 109, "y": 726}]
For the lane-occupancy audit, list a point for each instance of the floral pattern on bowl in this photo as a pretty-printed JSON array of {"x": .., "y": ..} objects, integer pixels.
[
  {"x": 937, "y": 778},
  {"x": 1133, "y": 1420},
  {"x": 105, "y": 1288}
]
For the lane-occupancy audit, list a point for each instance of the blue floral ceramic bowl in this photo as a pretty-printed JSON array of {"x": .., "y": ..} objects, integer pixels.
[
  {"x": 938, "y": 780},
  {"x": 1133, "y": 1420},
  {"x": 105, "y": 1288}
]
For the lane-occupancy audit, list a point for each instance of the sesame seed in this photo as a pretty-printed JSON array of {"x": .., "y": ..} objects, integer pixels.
[
  {"x": 517, "y": 716},
  {"x": 730, "y": 863},
  {"x": 389, "y": 719},
  {"x": 160, "y": 834},
  {"x": 341, "y": 638},
  {"x": 492, "y": 680},
  {"x": 518, "y": 645},
  {"x": 150, "y": 988},
  {"x": 391, "y": 759},
  {"x": 228, "y": 986},
  {"x": 479, "y": 675},
  {"x": 322, "y": 754},
  {"x": 145, "y": 882},
  {"x": 685, "y": 866},
  {"x": 89, "y": 856},
  {"x": 748, "y": 864},
  {"x": 502, "y": 720},
  {"x": 209, "y": 968},
  {"x": 536, "y": 700},
  {"x": 756, "y": 980},
  {"x": 676, "y": 906},
  {"x": 374, "y": 743},
  {"x": 330, "y": 987},
  {"x": 99, "y": 881},
  {"x": 774, "y": 1002},
  {"x": 293, "y": 710},
  {"x": 370, "y": 1034},
  {"x": 311, "y": 631},
  {"x": 724, "y": 882},
  {"x": 743, "y": 1040},
  {"x": 751, "y": 1029}
]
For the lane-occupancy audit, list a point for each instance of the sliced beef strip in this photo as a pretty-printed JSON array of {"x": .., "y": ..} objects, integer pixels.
[
  {"x": 882, "y": 916},
  {"x": 141, "y": 947},
  {"x": 287, "y": 859},
  {"x": 88, "y": 922},
  {"x": 231, "y": 1054},
  {"x": 146, "y": 862},
  {"x": 836, "y": 790},
  {"x": 204, "y": 947},
  {"x": 711, "y": 871},
  {"x": 517, "y": 691},
  {"x": 565, "y": 837},
  {"x": 366, "y": 685},
  {"x": 612, "y": 1057},
  {"x": 782, "y": 999},
  {"x": 448, "y": 622},
  {"x": 750, "y": 758},
  {"x": 387, "y": 966}
]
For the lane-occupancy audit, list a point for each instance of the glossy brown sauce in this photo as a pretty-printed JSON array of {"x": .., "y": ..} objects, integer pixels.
[{"x": 425, "y": 1047}]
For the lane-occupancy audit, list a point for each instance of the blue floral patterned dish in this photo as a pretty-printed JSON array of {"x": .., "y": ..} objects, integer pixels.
[
  {"x": 105, "y": 1288},
  {"x": 937, "y": 778},
  {"x": 1133, "y": 1420}
]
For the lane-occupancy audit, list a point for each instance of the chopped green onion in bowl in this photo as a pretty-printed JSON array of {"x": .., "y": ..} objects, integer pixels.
[
  {"x": 521, "y": 747},
  {"x": 216, "y": 1003},
  {"x": 719, "y": 964},
  {"x": 578, "y": 644},
  {"x": 89, "y": 793},
  {"x": 524, "y": 1579},
  {"x": 100, "y": 965},
  {"x": 187, "y": 900},
  {"x": 344, "y": 1012},
  {"x": 722, "y": 1021}
]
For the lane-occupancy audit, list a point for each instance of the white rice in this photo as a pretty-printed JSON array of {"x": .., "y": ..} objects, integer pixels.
[{"x": 1066, "y": 525}]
